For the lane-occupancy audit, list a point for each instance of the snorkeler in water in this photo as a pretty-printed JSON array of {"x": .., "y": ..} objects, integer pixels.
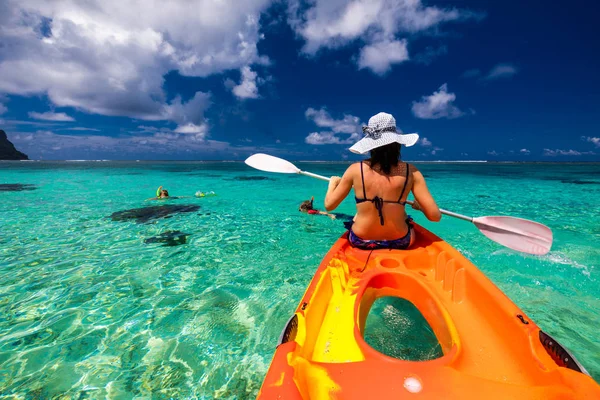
[
  {"x": 162, "y": 194},
  {"x": 307, "y": 207}
]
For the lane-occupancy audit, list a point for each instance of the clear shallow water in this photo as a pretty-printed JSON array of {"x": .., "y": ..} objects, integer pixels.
[{"x": 88, "y": 309}]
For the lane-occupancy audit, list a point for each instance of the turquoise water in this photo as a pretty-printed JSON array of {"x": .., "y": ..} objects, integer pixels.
[{"x": 88, "y": 310}]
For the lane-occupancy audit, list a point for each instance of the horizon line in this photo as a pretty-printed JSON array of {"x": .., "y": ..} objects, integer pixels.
[{"x": 321, "y": 161}]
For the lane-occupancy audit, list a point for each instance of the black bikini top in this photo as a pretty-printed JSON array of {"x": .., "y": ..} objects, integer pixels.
[{"x": 378, "y": 201}]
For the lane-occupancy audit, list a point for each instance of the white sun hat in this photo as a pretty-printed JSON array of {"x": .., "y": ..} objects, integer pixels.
[{"x": 381, "y": 131}]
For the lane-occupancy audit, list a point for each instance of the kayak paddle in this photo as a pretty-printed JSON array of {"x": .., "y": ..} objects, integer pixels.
[{"x": 515, "y": 233}]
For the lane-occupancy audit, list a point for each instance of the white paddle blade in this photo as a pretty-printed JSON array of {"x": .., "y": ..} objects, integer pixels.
[
  {"x": 265, "y": 162},
  {"x": 516, "y": 233}
]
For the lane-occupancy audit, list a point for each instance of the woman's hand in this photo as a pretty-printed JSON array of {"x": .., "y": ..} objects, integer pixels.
[
  {"x": 334, "y": 181},
  {"x": 416, "y": 205},
  {"x": 337, "y": 190}
]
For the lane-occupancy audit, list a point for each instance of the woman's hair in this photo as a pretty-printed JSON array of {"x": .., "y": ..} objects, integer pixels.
[{"x": 386, "y": 156}]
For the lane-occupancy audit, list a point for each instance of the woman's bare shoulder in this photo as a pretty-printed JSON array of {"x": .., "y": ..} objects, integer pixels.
[
  {"x": 353, "y": 168},
  {"x": 413, "y": 168}
]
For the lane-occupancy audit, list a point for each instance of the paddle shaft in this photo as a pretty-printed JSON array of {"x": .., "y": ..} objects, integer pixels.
[{"x": 445, "y": 212}]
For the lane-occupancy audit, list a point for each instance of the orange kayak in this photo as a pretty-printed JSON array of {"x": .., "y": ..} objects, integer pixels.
[{"x": 491, "y": 349}]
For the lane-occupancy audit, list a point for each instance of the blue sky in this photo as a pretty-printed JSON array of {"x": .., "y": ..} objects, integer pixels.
[{"x": 214, "y": 79}]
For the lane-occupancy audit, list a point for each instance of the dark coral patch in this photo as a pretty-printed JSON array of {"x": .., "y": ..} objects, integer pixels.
[
  {"x": 169, "y": 238},
  {"x": 146, "y": 214},
  {"x": 16, "y": 187}
]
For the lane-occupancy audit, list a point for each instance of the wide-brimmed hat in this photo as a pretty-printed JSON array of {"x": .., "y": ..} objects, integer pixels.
[{"x": 381, "y": 131}]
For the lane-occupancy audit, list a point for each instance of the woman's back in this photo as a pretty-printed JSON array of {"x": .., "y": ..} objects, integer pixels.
[{"x": 392, "y": 189}]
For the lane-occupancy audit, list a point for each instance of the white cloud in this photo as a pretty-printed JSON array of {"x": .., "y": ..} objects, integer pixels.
[
  {"x": 322, "y": 118},
  {"x": 438, "y": 105},
  {"x": 109, "y": 57},
  {"x": 594, "y": 140},
  {"x": 493, "y": 153},
  {"x": 379, "y": 57},
  {"x": 199, "y": 131},
  {"x": 247, "y": 89},
  {"x": 51, "y": 116},
  {"x": 318, "y": 138},
  {"x": 349, "y": 124},
  {"x": 425, "y": 142},
  {"x": 333, "y": 23},
  {"x": 558, "y": 152},
  {"x": 501, "y": 71},
  {"x": 376, "y": 23},
  {"x": 3, "y": 109},
  {"x": 525, "y": 152}
]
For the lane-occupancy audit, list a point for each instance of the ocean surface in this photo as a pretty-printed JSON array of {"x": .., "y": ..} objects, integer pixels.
[{"x": 187, "y": 300}]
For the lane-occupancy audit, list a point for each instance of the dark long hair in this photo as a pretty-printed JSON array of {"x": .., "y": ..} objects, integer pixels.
[{"x": 386, "y": 156}]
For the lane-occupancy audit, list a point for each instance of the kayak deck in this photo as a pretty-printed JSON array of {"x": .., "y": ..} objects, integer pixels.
[{"x": 490, "y": 347}]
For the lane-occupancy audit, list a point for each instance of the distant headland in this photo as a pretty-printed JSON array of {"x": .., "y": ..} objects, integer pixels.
[{"x": 8, "y": 150}]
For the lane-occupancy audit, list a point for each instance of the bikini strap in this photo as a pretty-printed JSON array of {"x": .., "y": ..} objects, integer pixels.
[
  {"x": 405, "y": 183},
  {"x": 362, "y": 176}
]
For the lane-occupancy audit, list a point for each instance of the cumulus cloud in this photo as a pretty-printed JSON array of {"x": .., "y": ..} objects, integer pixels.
[
  {"x": 593, "y": 140},
  {"x": 524, "y": 152},
  {"x": 3, "y": 109},
  {"x": 376, "y": 23},
  {"x": 247, "y": 89},
  {"x": 51, "y": 116},
  {"x": 379, "y": 57},
  {"x": 318, "y": 138},
  {"x": 349, "y": 124},
  {"x": 322, "y": 118},
  {"x": 493, "y": 153},
  {"x": 438, "y": 105},
  {"x": 109, "y": 58}
]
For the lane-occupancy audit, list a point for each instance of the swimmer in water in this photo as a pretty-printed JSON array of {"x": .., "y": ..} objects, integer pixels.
[
  {"x": 307, "y": 207},
  {"x": 161, "y": 194}
]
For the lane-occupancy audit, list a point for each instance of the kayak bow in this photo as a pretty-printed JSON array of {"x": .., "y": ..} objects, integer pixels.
[{"x": 491, "y": 349}]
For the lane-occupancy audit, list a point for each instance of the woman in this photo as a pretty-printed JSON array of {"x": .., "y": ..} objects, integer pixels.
[{"x": 381, "y": 186}]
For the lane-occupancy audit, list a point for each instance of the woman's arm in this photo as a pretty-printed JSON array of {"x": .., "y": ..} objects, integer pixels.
[
  {"x": 423, "y": 199},
  {"x": 338, "y": 189}
]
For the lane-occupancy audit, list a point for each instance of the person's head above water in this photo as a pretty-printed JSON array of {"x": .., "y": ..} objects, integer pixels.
[
  {"x": 307, "y": 205},
  {"x": 383, "y": 140}
]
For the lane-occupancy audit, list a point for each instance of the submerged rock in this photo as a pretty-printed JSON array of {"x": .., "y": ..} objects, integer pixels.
[
  {"x": 146, "y": 214},
  {"x": 8, "y": 151},
  {"x": 169, "y": 238},
  {"x": 16, "y": 187}
]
